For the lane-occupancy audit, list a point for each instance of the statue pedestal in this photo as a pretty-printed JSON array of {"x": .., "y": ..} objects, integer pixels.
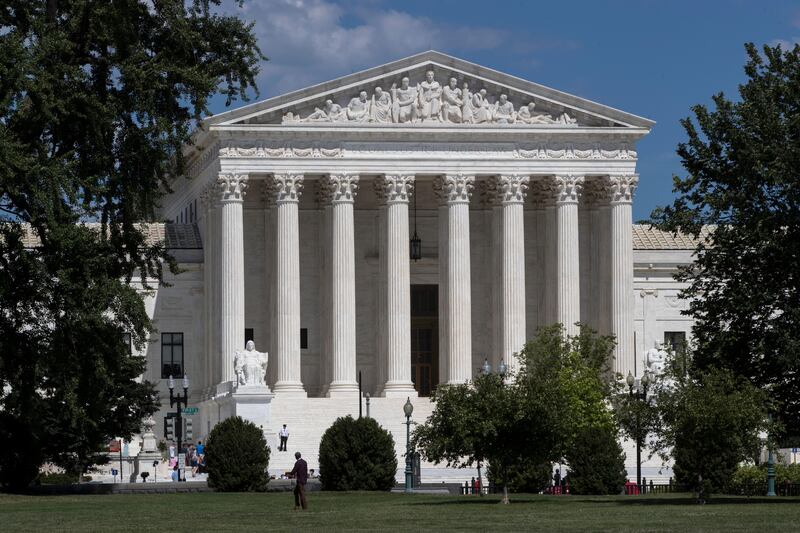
[{"x": 251, "y": 402}]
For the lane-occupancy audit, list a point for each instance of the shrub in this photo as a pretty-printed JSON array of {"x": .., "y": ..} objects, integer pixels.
[
  {"x": 596, "y": 462},
  {"x": 747, "y": 480},
  {"x": 357, "y": 455},
  {"x": 237, "y": 457},
  {"x": 58, "y": 478},
  {"x": 523, "y": 477}
]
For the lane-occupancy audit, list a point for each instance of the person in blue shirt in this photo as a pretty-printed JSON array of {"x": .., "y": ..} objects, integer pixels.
[
  {"x": 201, "y": 450},
  {"x": 175, "y": 474}
]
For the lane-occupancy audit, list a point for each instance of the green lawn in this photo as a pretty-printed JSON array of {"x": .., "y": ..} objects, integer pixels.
[{"x": 378, "y": 511}]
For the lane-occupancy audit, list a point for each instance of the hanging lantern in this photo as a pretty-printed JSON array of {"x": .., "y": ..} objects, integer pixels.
[{"x": 416, "y": 242}]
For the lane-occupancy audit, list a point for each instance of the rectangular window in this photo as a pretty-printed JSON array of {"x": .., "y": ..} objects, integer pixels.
[
  {"x": 126, "y": 339},
  {"x": 172, "y": 355},
  {"x": 248, "y": 335},
  {"x": 304, "y": 338},
  {"x": 675, "y": 340}
]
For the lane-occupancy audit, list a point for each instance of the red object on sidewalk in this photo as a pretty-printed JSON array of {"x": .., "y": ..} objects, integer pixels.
[{"x": 631, "y": 488}]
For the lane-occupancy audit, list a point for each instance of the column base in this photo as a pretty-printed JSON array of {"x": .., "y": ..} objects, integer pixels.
[
  {"x": 290, "y": 388},
  {"x": 399, "y": 389},
  {"x": 337, "y": 390}
]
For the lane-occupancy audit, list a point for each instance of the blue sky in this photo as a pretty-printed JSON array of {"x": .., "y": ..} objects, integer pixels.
[{"x": 652, "y": 58}]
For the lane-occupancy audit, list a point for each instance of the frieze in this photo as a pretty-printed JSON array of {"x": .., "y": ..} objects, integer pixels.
[{"x": 268, "y": 150}]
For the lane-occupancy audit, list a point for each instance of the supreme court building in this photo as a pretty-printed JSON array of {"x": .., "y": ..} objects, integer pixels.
[{"x": 404, "y": 223}]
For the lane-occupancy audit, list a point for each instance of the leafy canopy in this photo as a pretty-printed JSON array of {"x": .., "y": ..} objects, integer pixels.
[
  {"x": 97, "y": 101},
  {"x": 744, "y": 289},
  {"x": 561, "y": 388}
]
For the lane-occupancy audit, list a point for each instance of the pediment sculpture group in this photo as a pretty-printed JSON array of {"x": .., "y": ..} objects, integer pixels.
[{"x": 428, "y": 101}]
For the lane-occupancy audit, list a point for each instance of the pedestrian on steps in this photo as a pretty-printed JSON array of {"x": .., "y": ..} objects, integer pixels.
[{"x": 284, "y": 434}]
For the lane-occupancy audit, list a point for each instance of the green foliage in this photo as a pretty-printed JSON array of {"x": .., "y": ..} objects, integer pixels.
[
  {"x": 596, "y": 462},
  {"x": 741, "y": 159},
  {"x": 237, "y": 457},
  {"x": 58, "y": 478},
  {"x": 524, "y": 477},
  {"x": 97, "y": 100},
  {"x": 561, "y": 389},
  {"x": 357, "y": 454},
  {"x": 709, "y": 424},
  {"x": 751, "y": 480}
]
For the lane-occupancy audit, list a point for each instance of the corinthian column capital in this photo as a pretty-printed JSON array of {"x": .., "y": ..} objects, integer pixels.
[
  {"x": 454, "y": 188},
  {"x": 622, "y": 187},
  {"x": 394, "y": 188},
  {"x": 287, "y": 187},
  {"x": 509, "y": 188},
  {"x": 231, "y": 187},
  {"x": 339, "y": 188},
  {"x": 568, "y": 188}
]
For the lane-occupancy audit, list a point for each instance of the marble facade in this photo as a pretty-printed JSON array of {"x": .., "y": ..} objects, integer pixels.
[{"x": 305, "y": 202}]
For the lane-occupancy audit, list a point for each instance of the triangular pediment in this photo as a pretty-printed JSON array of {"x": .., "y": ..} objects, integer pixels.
[{"x": 479, "y": 96}]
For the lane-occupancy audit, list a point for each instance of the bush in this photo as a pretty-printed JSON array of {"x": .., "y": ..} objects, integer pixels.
[
  {"x": 596, "y": 462},
  {"x": 357, "y": 455},
  {"x": 58, "y": 478},
  {"x": 523, "y": 477},
  {"x": 237, "y": 457},
  {"x": 747, "y": 480}
]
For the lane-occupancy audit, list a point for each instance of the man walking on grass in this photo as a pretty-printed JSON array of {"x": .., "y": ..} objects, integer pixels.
[{"x": 300, "y": 474}]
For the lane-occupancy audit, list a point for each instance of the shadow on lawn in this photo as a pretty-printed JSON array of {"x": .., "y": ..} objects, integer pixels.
[{"x": 613, "y": 500}]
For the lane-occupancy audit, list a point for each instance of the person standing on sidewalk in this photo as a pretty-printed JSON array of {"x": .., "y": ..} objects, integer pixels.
[
  {"x": 300, "y": 474},
  {"x": 284, "y": 434}
]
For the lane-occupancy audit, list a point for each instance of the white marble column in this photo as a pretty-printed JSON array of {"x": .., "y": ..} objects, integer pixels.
[
  {"x": 394, "y": 190},
  {"x": 287, "y": 189},
  {"x": 207, "y": 200},
  {"x": 454, "y": 190},
  {"x": 341, "y": 191},
  {"x": 568, "y": 300},
  {"x": 510, "y": 195},
  {"x": 231, "y": 189},
  {"x": 621, "y": 189}
]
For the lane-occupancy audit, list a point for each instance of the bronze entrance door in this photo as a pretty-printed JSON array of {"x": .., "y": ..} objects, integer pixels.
[{"x": 424, "y": 338}]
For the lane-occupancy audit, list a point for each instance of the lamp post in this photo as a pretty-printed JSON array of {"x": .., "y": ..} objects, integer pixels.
[
  {"x": 502, "y": 370},
  {"x": 408, "y": 409},
  {"x": 770, "y": 466},
  {"x": 637, "y": 389},
  {"x": 180, "y": 400}
]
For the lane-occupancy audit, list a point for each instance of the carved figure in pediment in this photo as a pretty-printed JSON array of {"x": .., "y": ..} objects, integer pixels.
[
  {"x": 452, "y": 102},
  {"x": 381, "y": 107},
  {"x": 430, "y": 98},
  {"x": 358, "y": 108},
  {"x": 504, "y": 111},
  {"x": 481, "y": 108},
  {"x": 330, "y": 113},
  {"x": 467, "y": 111},
  {"x": 528, "y": 115},
  {"x": 565, "y": 119},
  {"x": 250, "y": 365},
  {"x": 290, "y": 117},
  {"x": 404, "y": 102}
]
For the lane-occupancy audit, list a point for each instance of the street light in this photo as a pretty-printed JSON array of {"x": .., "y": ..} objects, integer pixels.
[
  {"x": 408, "y": 409},
  {"x": 180, "y": 400},
  {"x": 502, "y": 368},
  {"x": 639, "y": 385},
  {"x": 770, "y": 465}
]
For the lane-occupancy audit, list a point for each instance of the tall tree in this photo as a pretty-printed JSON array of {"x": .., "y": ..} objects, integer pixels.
[
  {"x": 742, "y": 159},
  {"x": 97, "y": 101},
  {"x": 561, "y": 390}
]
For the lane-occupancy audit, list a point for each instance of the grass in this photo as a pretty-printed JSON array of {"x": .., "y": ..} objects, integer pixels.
[{"x": 394, "y": 512}]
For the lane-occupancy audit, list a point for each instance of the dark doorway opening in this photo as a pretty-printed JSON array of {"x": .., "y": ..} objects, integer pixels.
[{"x": 424, "y": 338}]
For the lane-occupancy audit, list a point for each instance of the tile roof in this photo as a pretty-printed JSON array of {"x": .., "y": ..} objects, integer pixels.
[
  {"x": 646, "y": 237},
  {"x": 177, "y": 236}
]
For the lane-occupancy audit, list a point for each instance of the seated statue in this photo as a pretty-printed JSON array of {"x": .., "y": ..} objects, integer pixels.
[
  {"x": 250, "y": 366},
  {"x": 358, "y": 108},
  {"x": 404, "y": 101},
  {"x": 656, "y": 359},
  {"x": 381, "y": 106},
  {"x": 452, "y": 102},
  {"x": 504, "y": 111},
  {"x": 528, "y": 115}
]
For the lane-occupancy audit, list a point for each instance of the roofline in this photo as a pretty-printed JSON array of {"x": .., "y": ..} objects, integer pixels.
[{"x": 444, "y": 60}]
